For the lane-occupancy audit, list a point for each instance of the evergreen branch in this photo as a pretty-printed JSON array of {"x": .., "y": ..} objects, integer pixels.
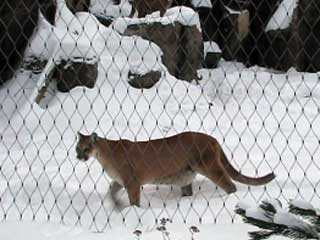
[
  {"x": 274, "y": 222},
  {"x": 260, "y": 235},
  {"x": 240, "y": 211},
  {"x": 308, "y": 213}
]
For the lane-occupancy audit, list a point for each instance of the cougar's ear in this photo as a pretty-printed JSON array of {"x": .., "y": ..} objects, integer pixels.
[
  {"x": 94, "y": 137},
  {"x": 79, "y": 134}
]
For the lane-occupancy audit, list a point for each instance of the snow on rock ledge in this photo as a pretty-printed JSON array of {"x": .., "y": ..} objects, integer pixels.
[
  {"x": 184, "y": 15},
  {"x": 212, "y": 54}
]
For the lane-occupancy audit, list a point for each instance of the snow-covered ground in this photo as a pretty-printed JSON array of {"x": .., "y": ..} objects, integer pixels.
[
  {"x": 265, "y": 121},
  {"x": 49, "y": 231}
]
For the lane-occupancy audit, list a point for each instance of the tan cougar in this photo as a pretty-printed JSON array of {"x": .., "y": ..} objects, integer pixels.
[{"x": 174, "y": 160}]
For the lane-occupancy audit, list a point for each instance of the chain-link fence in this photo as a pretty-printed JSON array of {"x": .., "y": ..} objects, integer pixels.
[{"x": 243, "y": 72}]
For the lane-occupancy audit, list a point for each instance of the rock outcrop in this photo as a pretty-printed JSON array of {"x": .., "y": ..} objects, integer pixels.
[
  {"x": 78, "y": 5},
  {"x": 181, "y": 41},
  {"x": 67, "y": 74},
  {"x": 147, "y": 80},
  {"x": 70, "y": 74}
]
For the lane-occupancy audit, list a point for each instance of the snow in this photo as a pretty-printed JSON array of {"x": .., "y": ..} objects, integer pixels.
[
  {"x": 184, "y": 15},
  {"x": 47, "y": 231},
  {"x": 201, "y": 3},
  {"x": 282, "y": 17},
  {"x": 232, "y": 11},
  {"x": 288, "y": 219},
  {"x": 243, "y": 204},
  {"x": 211, "y": 47},
  {"x": 257, "y": 213},
  {"x": 265, "y": 122},
  {"x": 108, "y": 9},
  {"x": 302, "y": 204},
  {"x": 79, "y": 36}
]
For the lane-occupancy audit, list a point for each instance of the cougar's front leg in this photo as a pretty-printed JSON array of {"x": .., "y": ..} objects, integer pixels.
[
  {"x": 133, "y": 191},
  {"x": 187, "y": 190}
]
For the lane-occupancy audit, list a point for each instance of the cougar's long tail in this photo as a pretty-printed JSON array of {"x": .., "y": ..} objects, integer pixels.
[{"x": 237, "y": 176}]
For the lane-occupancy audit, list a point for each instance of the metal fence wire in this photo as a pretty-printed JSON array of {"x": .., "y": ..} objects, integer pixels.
[{"x": 241, "y": 71}]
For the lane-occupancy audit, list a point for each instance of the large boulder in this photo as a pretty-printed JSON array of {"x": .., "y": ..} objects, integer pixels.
[
  {"x": 48, "y": 9},
  {"x": 276, "y": 50},
  {"x": 294, "y": 44},
  {"x": 260, "y": 11},
  {"x": 73, "y": 73},
  {"x": 78, "y": 5},
  {"x": 224, "y": 22},
  {"x": 65, "y": 75},
  {"x": 147, "y": 80},
  {"x": 18, "y": 19},
  {"x": 181, "y": 46},
  {"x": 180, "y": 41}
]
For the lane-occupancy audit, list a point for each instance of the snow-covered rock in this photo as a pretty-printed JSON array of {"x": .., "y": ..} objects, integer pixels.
[
  {"x": 181, "y": 43},
  {"x": 183, "y": 15}
]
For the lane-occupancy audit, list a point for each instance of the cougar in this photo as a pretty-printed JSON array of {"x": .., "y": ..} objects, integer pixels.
[{"x": 173, "y": 160}]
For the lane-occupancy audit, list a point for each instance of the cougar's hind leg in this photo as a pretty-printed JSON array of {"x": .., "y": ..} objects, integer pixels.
[
  {"x": 187, "y": 190},
  {"x": 217, "y": 175},
  {"x": 114, "y": 188}
]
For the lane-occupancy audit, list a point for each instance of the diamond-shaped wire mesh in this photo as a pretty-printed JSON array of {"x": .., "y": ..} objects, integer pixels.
[{"x": 243, "y": 72}]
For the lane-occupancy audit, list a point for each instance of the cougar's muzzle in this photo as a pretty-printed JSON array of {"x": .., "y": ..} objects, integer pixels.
[{"x": 81, "y": 155}]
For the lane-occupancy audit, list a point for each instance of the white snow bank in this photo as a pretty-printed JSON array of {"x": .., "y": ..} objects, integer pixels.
[
  {"x": 184, "y": 15},
  {"x": 282, "y": 17}
]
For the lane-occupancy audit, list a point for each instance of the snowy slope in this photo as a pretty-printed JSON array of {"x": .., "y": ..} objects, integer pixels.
[{"x": 264, "y": 121}]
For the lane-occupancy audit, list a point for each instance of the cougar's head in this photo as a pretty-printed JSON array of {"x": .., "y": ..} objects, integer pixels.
[{"x": 85, "y": 146}]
